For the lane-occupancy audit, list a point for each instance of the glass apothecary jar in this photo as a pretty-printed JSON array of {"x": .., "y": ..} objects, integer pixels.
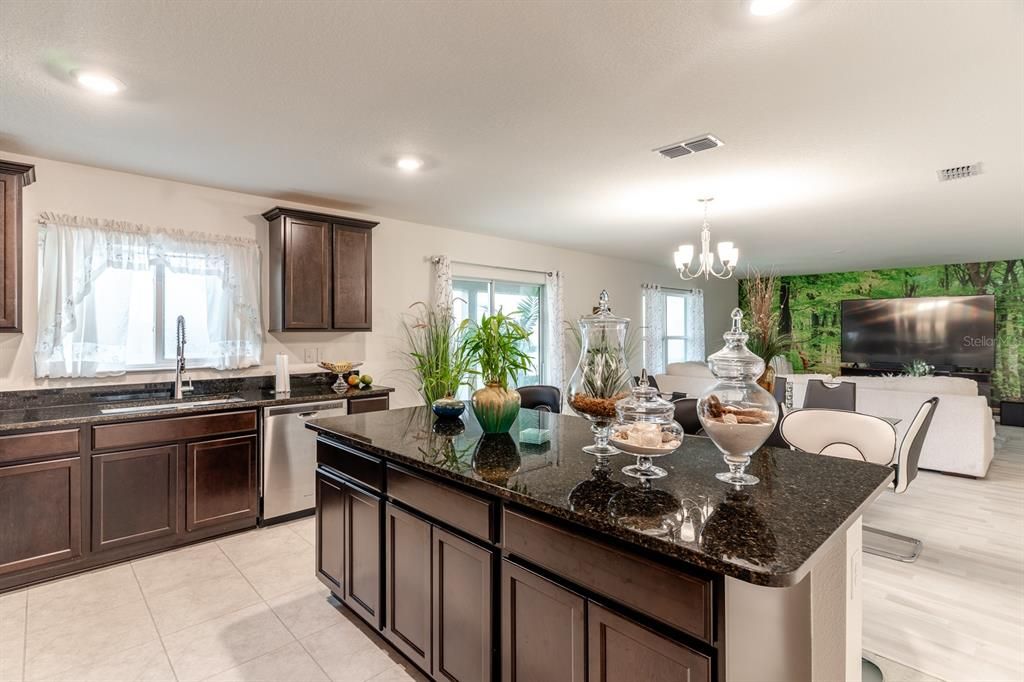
[
  {"x": 602, "y": 376},
  {"x": 736, "y": 413},
  {"x": 646, "y": 427}
]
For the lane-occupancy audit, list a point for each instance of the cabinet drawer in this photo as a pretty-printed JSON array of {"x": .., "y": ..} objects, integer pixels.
[
  {"x": 460, "y": 510},
  {"x": 366, "y": 469},
  {"x": 678, "y": 599},
  {"x": 364, "y": 405},
  {"x": 155, "y": 431},
  {"x": 29, "y": 446}
]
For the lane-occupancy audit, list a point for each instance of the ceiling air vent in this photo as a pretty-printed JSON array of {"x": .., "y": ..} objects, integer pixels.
[
  {"x": 958, "y": 172},
  {"x": 696, "y": 144}
]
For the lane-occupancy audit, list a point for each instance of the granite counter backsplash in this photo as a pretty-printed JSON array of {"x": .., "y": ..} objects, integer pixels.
[
  {"x": 765, "y": 534},
  {"x": 54, "y": 407}
]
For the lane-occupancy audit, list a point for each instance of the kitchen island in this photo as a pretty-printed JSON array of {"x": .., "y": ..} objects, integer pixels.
[{"x": 482, "y": 558}]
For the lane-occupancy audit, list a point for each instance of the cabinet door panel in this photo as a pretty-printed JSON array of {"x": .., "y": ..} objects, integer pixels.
[
  {"x": 622, "y": 651},
  {"x": 543, "y": 637},
  {"x": 307, "y": 275},
  {"x": 40, "y": 513},
  {"x": 407, "y": 587},
  {"x": 134, "y": 496},
  {"x": 352, "y": 289},
  {"x": 10, "y": 240},
  {"x": 222, "y": 482},
  {"x": 330, "y": 524},
  {"x": 362, "y": 554},
  {"x": 463, "y": 639}
]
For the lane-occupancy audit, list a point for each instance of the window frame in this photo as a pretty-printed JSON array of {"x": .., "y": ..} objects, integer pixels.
[{"x": 541, "y": 315}]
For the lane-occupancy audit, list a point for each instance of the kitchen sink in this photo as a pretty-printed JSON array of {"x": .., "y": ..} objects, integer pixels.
[{"x": 171, "y": 406}]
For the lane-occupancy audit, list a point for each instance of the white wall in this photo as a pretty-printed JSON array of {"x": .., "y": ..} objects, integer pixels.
[{"x": 401, "y": 270}]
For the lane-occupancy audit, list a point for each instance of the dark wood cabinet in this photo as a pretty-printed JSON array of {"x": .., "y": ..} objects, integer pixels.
[
  {"x": 363, "y": 405},
  {"x": 320, "y": 271},
  {"x": 408, "y": 620},
  {"x": 13, "y": 178},
  {"x": 330, "y": 531},
  {"x": 40, "y": 513},
  {"x": 353, "y": 262},
  {"x": 134, "y": 496},
  {"x": 622, "y": 651},
  {"x": 348, "y": 535},
  {"x": 362, "y": 586},
  {"x": 221, "y": 482},
  {"x": 462, "y": 607},
  {"x": 543, "y": 629}
]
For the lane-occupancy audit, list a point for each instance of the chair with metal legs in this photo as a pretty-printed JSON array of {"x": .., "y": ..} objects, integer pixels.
[{"x": 852, "y": 435}]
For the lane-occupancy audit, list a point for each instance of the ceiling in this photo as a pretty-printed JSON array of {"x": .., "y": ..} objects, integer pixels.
[{"x": 537, "y": 119}]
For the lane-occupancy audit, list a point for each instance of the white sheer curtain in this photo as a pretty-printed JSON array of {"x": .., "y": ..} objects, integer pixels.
[
  {"x": 554, "y": 329},
  {"x": 442, "y": 281},
  {"x": 695, "y": 326},
  {"x": 83, "y": 327},
  {"x": 654, "y": 329}
]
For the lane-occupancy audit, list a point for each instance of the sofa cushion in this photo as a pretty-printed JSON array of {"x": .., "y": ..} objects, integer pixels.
[{"x": 688, "y": 369}]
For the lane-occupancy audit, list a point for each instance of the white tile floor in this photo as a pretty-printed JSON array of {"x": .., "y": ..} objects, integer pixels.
[{"x": 243, "y": 608}]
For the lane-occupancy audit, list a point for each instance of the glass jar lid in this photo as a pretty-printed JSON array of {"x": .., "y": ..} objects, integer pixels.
[
  {"x": 645, "y": 405},
  {"x": 603, "y": 315},
  {"x": 735, "y": 361}
]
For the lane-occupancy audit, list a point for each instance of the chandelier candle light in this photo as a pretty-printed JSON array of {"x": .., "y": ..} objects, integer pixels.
[{"x": 728, "y": 255}]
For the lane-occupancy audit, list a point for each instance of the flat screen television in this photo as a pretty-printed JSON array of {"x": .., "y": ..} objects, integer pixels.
[{"x": 950, "y": 331}]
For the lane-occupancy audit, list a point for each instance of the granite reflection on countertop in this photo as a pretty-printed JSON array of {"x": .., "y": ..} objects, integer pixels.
[
  {"x": 55, "y": 407},
  {"x": 766, "y": 534}
]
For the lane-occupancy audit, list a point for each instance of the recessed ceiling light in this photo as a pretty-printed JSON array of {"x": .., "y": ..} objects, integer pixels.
[
  {"x": 98, "y": 82},
  {"x": 409, "y": 164},
  {"x": 764, "y": 8}
]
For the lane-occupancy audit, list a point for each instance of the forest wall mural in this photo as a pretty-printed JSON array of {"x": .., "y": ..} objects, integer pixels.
[{"x": 809, "y": 310}]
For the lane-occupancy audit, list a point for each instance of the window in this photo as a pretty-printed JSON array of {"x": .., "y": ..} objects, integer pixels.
[
  {"x": 474, "y": 298},
  {"x": 673, "y": 326},
  {"x": 110, "y": 295},
  {"x": 676, "y": 338}
]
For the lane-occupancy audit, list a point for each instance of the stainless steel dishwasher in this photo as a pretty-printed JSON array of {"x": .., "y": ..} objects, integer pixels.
[{"x": 289, "y": 457}]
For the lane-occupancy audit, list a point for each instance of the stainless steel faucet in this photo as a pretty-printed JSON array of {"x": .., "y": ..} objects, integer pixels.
[{"x": 179, "y": 366}]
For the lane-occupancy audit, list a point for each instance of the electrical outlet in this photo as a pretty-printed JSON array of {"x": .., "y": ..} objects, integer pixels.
[
  {"x": 319, "y": 354},
  {"x": 309, "y": 355}
]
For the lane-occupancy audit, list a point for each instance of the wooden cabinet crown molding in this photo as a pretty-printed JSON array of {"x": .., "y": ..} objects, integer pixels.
[
  {"x": 25, "y": 170},
  {"x": 278, "y": 211}
]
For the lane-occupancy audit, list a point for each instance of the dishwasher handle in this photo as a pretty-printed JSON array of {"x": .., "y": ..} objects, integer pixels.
[{"x": 304, "y": 410}]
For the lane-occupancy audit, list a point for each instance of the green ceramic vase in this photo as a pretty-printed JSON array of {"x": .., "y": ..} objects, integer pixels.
[{"x": 496, "y": 408}]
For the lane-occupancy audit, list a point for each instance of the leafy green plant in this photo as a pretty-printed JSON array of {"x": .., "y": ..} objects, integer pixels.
[
  {"x": 437, "y": 350},
  {"x": 495, "y": 344},
  {"x": 604, "y": 373},
  {"x": 918, "y": 368},
  {"x": 765, "y": 340},
  {"x": 528, "y": 312}
]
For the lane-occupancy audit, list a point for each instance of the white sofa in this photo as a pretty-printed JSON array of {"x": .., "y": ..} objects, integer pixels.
[
  {"x": 691, "y": 378},
  {"x": 960, "y": 439}
]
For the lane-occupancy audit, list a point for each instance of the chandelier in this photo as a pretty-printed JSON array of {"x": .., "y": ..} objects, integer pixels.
[{"x": 728, "y": 255}]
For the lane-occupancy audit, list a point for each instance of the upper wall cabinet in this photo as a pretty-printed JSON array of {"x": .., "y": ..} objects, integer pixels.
[
  {"x": 320, "y": 271},
  {"x": 13, "y": 178}
]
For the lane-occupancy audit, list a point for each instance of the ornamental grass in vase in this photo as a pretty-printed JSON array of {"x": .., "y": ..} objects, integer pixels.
[
  {"x": 439, "y": 356},
  {"x": 765, "y": 340},
  {"x": 495, "y": 344}
]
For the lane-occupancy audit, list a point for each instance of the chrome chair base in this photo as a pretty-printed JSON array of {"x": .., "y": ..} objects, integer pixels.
[{"x": 913, "y": 545}]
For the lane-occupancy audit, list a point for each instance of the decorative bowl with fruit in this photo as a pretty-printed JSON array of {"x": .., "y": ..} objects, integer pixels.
[{"x": 341, "y": 371}]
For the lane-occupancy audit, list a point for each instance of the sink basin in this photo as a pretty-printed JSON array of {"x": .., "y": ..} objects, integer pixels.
[{"x": 167, "y": 407}]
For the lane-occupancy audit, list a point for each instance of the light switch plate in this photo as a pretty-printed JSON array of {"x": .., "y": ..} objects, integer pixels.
[{"x": 309, "y": 354}]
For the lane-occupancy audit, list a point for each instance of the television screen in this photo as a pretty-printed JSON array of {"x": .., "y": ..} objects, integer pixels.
[{"x": 954, "y": 331}]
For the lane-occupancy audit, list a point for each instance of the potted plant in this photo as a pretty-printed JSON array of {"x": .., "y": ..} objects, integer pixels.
[
  {"x": 494, "y": 344},
  {"x": 439, "y": 356},
  {"x": 765, "y": 340}
]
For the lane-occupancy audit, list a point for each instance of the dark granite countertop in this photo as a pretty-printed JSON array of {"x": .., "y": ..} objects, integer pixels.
[
  {"x": 21, "y": 410},
  {"x": 766, "y": 534}
]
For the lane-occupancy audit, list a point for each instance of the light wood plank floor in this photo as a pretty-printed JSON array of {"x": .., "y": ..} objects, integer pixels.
[{"x": 958, "y": 612}]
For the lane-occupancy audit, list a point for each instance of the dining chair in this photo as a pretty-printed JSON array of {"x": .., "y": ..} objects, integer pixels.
[
  {"x": 851, "y": 435},
  {"x": 686, "y": 415},
  {"x": 540, "y": 397},
  {"x": 840, "y": 396},
  {"x": 779, "y": 390}
]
